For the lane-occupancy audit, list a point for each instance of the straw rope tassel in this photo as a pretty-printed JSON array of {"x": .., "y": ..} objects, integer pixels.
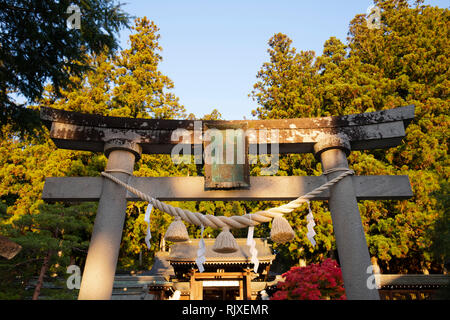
[
  {"x": 177, "y": 231},
  {"x": 281, "y": 231},
  {"x": 225, "y": 242}
]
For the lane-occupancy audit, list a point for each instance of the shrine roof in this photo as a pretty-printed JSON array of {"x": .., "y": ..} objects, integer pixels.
[
  {"x": 161, "y": 267},
  {"x": 186, "y": 252}
]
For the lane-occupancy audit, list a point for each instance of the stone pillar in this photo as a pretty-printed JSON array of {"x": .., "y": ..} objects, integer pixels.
[
  {"x": 351, "y": 242},
  {"x": 99, "y": 271}
]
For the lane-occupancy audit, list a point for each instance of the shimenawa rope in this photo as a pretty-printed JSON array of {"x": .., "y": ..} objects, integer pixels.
[{"x": 233, "y": 222}]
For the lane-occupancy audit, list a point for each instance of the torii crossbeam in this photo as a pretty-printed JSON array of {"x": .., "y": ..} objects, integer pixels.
[{"x": 124, "y": 140}]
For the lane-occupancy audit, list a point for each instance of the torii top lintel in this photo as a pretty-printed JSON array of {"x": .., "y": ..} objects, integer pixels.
[{"x": 90, "y": 132}]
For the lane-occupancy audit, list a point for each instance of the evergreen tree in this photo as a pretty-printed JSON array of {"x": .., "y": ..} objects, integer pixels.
[
  {"x": 37, "y": 47},
  {"x": 404, "y": 62},
  {"x": 55, "y": 236},
  {"x": 141, "y": 89},
  {"x": 26, "y": 161}
]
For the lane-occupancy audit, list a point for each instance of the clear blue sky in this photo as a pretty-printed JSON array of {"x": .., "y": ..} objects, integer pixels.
[{"x": 212, "y": 50}]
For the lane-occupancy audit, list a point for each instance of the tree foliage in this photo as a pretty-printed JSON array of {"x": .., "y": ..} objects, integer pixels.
[
  {"x": 37, "y": 47},
  {"x": 112, "y": 87},
  {"x": 404, "y": 62}
]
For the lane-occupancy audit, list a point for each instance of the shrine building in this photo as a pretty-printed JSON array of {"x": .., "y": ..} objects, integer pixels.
[{"x": 227, "y": 276}]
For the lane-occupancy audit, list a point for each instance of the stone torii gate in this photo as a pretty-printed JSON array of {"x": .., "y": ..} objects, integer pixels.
[{"x": 123, "y": 140}]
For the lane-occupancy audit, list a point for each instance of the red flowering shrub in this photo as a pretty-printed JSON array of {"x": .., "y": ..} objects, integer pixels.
[{"x": 314, "y": 282}]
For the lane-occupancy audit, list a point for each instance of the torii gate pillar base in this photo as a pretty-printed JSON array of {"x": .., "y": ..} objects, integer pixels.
[
  {"x": 98, "y": 276},
  {"x": 351, "y": 242}
]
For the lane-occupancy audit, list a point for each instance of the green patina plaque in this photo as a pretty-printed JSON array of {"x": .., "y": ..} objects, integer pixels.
[{"x": 226, "y": 157}]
